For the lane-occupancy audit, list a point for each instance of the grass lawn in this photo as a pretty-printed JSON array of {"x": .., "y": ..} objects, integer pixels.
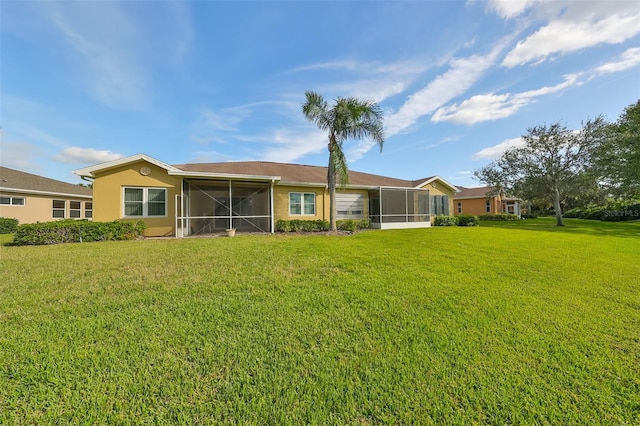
[{"x": 503, "y": 323}]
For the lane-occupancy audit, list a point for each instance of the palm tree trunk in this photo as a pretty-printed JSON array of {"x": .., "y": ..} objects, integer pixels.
[{"x": 332, "y": 192}]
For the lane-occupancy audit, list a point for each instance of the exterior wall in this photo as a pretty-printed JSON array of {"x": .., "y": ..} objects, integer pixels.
[
  {"x": 281, "y": 202},
  {"x": 477, "y": 206},
  {"x": 436, "y": 188},
  {"x": 39, "y": 208},
  {"x": 108, "y": 195},
  {"x": 365, "y": 200}
]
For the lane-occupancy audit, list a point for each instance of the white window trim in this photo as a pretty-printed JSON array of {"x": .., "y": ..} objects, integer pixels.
[
  {"x": 145, "y": 202},
  {"x": 64, "y": 209},
  {"x": 302, "y": 194},
  {"x": 79, "y": 209},
  {"x": 11, "y": 198}
]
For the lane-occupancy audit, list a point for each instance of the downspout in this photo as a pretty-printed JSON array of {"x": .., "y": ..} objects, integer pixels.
[
  {"x": 181, "y": 208},
  {"x": 230, "y": 207},
  {"x": 271, "y": 209},
  {"x": 380, "y": 204}
]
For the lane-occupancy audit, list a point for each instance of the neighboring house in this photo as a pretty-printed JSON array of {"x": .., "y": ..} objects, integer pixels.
[
  {"x": 31, "y": 198},
  {"x": 484, "y": 200},
  {"x": 193, "y": 199}
]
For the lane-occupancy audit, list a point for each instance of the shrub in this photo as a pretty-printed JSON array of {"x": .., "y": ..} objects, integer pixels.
[
  {"x": 441, "y": 220},
  {"x": 73, "y": 231},
  {"x": 528, "y": 216},
  {"x": 352, "y": 225},
  {"x": 297, "y": 225},
  {"x": 468, "y": 220},
  {"x": 8, "y": 225},
  {"x": 499, "y": 217},
  {"x": 621, "y": 213}
]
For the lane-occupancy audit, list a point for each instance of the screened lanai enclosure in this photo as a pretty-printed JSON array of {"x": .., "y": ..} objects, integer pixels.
[
  {"x": 399, "y": 208},
  {"x": 209, "y": 207}
]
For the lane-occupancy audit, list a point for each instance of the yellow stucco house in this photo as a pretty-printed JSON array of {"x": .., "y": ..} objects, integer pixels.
[
  {"x": 484, "y": 200},
  {"x": 31, "y": 198},
  {"x": 195, "y": 199}
]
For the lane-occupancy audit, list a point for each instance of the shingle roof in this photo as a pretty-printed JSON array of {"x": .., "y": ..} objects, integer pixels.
[
  {"x": 16, "y": 180},
  {"x": 479, "y": 192},
  {"x": 297, "y": 173}
]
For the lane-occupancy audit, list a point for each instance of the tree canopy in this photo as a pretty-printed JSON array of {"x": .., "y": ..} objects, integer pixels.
[
  {"x": 553, "y": 163},
  {"x": 617, "y": 160},
  {"x": 347, "y": 118}
]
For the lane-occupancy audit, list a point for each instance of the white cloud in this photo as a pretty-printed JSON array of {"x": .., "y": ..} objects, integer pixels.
[
  {"x": 496, "y": 151},
  {"x": 508, "y": 9},
  {"x": 572, "y": 33},
  {"x": 77, "y": 155},
  {"x": 287, "y": 146},
  {"x": 629, "y": 59},
  {"x": 491, "y": 107},
  {"x": 462, "y": 74},
  {"x": 19, "y": 155}
]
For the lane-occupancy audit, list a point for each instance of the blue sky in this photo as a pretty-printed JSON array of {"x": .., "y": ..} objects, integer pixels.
[{"x": 208, "y": 81}]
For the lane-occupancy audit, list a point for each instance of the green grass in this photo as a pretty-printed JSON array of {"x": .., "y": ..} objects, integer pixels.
[{"x": 503, "y": 323}]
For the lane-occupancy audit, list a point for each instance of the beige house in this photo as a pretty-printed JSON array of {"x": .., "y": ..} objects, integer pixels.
[
  {"x": 484, "y": 200},
  {"x": 31, "y": 198},
  {"x": 194, "y": 199}
]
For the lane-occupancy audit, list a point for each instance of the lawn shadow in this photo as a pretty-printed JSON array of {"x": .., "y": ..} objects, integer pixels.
[{"x": 573, "y": 226}]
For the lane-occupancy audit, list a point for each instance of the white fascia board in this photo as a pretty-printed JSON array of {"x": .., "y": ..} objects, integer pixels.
[
  {"x": 91, "y": 170},
  {"x": 428, "y": 181},
  {"x": 484, "y": 197},
  {"x": 228, "y": 176},
  {"x": 401, "y": 187},
  {"x": 34, "y": 192}
]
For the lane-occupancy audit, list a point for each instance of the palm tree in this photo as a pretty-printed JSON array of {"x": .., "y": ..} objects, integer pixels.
[{"x": 348, "y": 118}]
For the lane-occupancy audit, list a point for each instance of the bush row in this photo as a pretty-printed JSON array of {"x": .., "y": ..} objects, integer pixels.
[
  {"x": 297, "y": 225},
  {"x": 460, "y": 220},
  {"x": 499, "y": 217},
  {"x": 74, "y": 231},
  {"x": 8, "y": 225},
  {"x": 613, "y": 212}
]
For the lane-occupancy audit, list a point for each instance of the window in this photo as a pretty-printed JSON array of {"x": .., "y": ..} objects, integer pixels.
[
  {"x": 12, "y": 201},
  {"x": 439, "y": 204},
  {"x": 88, "y": 209},
  {"x": 74, "y": 209},
  {"x": 459, "y": 207},
  {"x": 59, "y": 208},
  {"x": 488, "y": 206},
  {"x": 302, "y": 203},
  {"x": 145, "y": 202},
  {"x": 349, "y": 206}
]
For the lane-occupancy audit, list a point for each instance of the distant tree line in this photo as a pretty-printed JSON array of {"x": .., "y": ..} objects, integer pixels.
[{"x": 558, "y": 168}]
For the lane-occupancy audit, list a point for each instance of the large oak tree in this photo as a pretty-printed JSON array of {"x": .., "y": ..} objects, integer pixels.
[{"x": 553, "y": 163}]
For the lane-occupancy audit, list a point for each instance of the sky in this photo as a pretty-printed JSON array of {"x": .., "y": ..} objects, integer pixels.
[{"x": 210, "y": 81}]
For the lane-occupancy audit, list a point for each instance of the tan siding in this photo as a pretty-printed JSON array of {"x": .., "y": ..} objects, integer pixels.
[
  {"x": 108, "y": 194},
  {"x": 37, "y": 208},
  {"x": 281, "y": 202}
]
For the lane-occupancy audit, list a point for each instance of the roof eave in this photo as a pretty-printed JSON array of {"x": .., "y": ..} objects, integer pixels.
[{"x": 91, "y": 170}]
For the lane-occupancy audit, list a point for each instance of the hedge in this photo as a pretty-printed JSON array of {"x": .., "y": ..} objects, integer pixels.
[
  {"x": 468, "y": 220},
  {"x": 297, "y": 225},
  {"x": 74, "y": 231},
  {"x": 441, "y": 220},
  {"x": 499, "y": 217},
  {"x": 352, "y": 225},
  {"x": 612, "y": 212},
  {"x": 8, "y": 225}
]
